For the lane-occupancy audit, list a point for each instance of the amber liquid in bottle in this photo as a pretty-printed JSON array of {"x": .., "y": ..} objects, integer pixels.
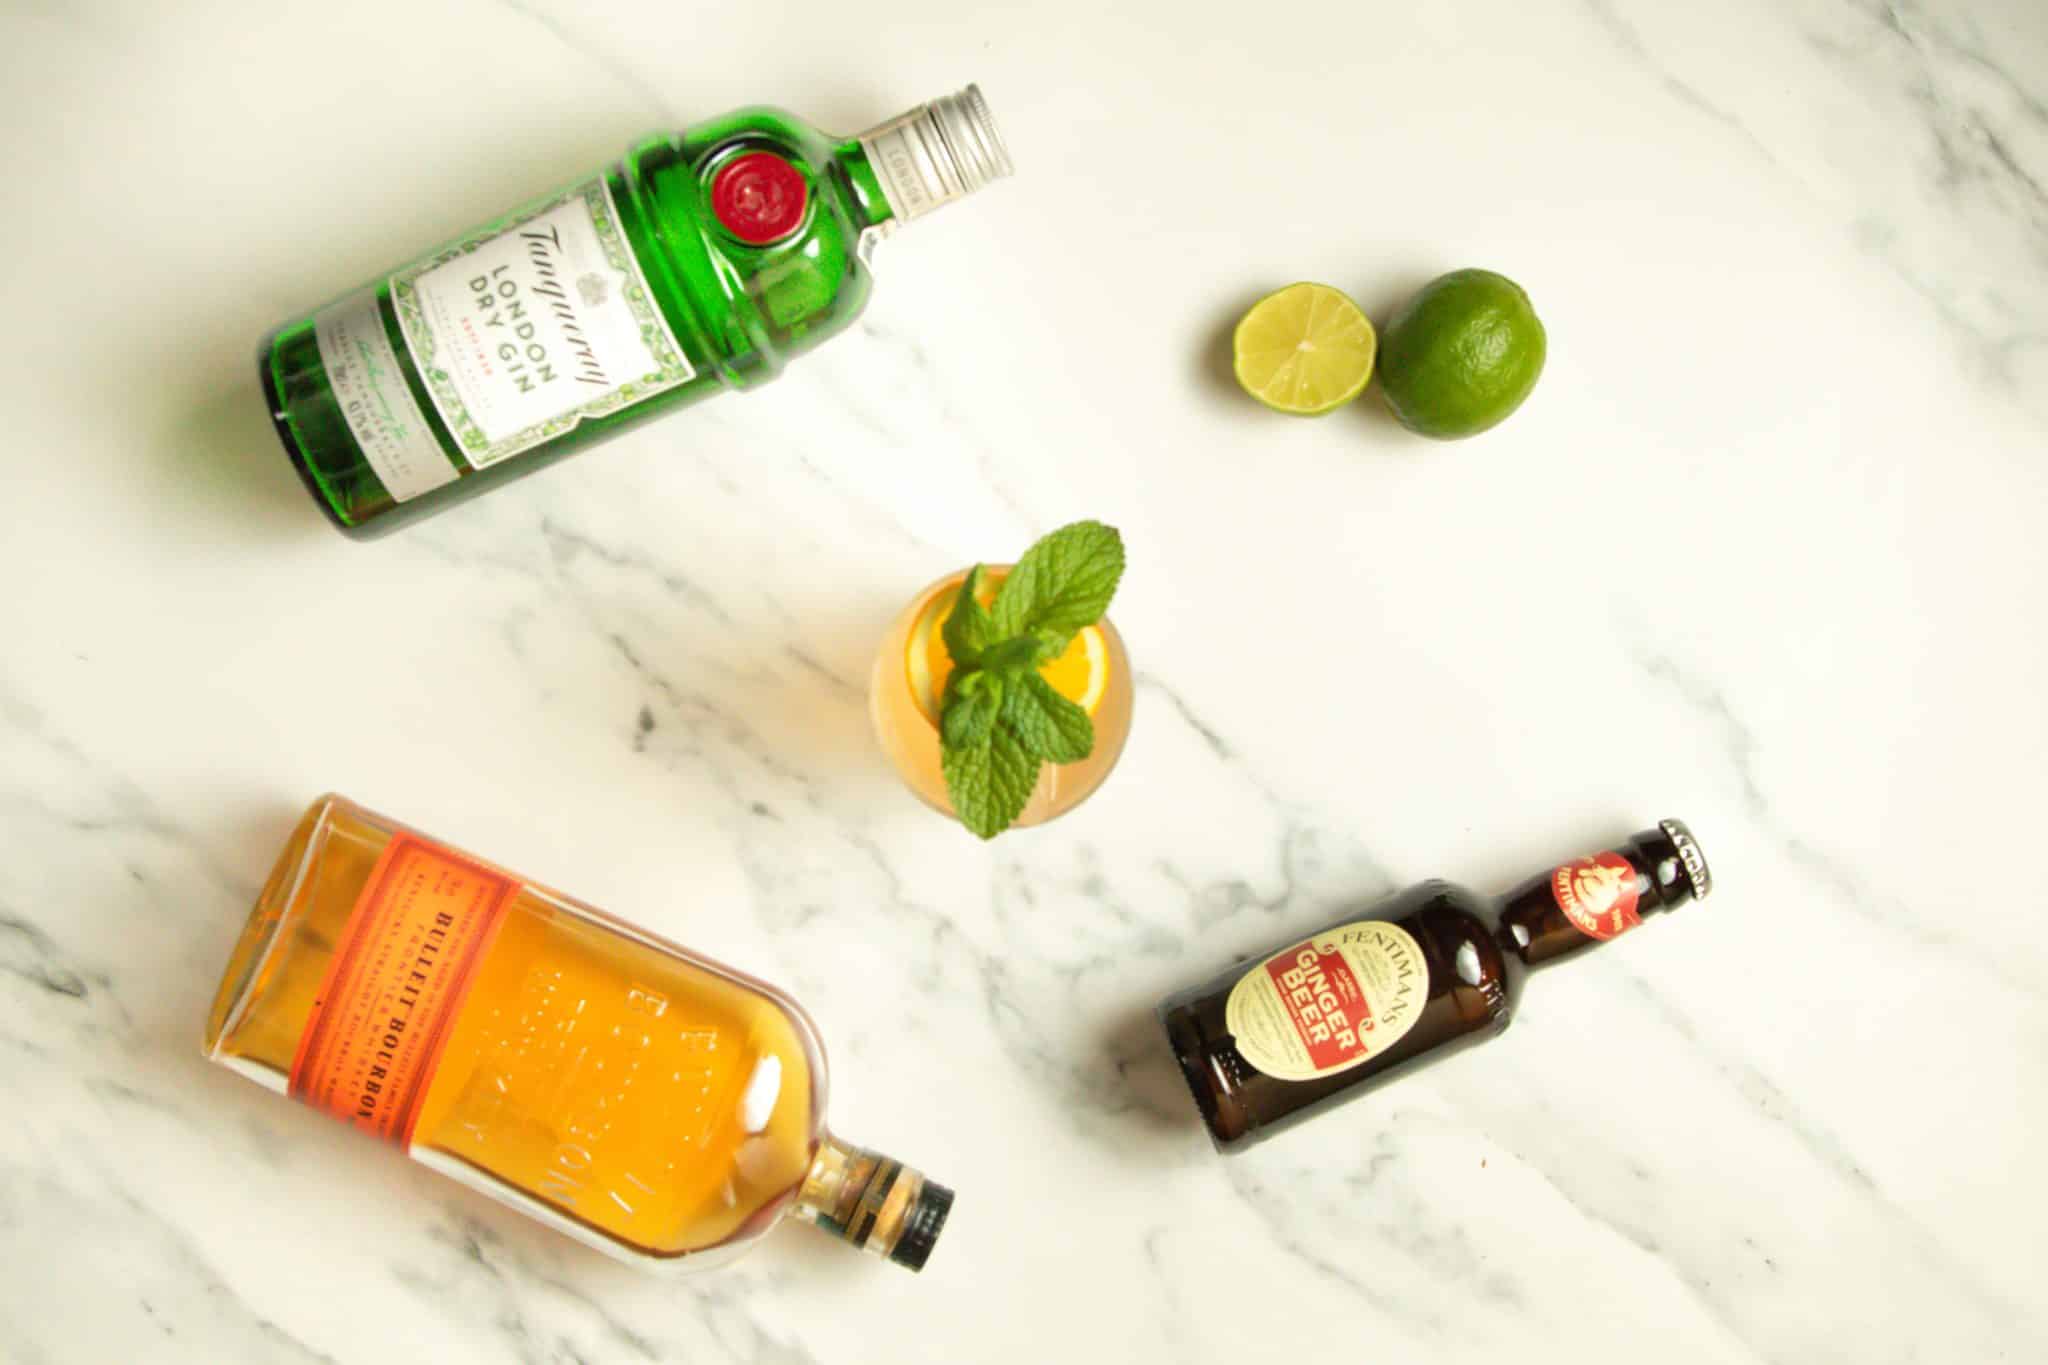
[
  {"x": 623, "y": 1090},
  {"x": 1417, "y": 978}
]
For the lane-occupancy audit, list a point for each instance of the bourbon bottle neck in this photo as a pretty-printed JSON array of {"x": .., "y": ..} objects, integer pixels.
[
  {"x": 874, "y": 1202},
  {"x": 1579, "y": 904}
]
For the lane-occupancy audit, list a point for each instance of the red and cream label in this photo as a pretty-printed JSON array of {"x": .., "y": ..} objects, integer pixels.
[
  {"x": 400, "y": 970},
  {"x": 1598, "y": 894},
  {"x": 1330, "y": 1003}
]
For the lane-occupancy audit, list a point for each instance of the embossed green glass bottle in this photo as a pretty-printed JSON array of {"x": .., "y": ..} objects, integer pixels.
[{"x": 700, "y": 261}]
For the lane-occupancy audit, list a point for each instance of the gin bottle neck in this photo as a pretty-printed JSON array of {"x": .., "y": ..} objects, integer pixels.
[{"x": 936, "y": 153}]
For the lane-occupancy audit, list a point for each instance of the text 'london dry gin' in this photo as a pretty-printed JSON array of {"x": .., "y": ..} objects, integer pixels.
[
  {"x": 699, "y": 261},
  {"x": 1404, "y": 984},
  {"x": 621, "y": 1089}
]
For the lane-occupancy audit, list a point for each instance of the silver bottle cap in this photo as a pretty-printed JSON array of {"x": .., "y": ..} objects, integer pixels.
[
  {"x": 1689, "y": 857},
  {"x": 937, "y": 153}
]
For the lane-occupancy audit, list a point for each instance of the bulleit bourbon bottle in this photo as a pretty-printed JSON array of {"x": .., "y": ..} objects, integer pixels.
[
  {"x": 623, "y": 1090},
  {"x": 1414, "y": 979}
]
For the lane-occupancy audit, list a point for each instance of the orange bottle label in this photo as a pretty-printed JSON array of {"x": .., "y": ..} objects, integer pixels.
[{"x": 405, "y": 960}]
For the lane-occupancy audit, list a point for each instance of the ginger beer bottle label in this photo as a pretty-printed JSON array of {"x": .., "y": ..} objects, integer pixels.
[
  {"x": 399, "y": 973},
  {"x": 519, "y": 331},
  {"x": 1329, "y": 1003},
  {"x": 1597, "y": 894}
]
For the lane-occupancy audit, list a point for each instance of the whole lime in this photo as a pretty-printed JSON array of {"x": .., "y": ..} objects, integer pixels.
[{"x": 1461, "y": 355}]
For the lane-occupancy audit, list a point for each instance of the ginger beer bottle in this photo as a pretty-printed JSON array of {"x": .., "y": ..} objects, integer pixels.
[{"x": 1399, "y": 986}]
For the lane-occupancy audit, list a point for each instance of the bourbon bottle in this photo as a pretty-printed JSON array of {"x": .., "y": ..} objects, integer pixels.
[
  {"x": 1402, "y": 985},
  {"x": 622, "y": 1090}
]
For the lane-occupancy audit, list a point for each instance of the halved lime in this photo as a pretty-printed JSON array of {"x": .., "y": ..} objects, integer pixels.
[{"x": 1305, "y": 349}]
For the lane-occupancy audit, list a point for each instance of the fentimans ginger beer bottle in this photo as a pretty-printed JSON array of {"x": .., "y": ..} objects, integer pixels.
[{"x": 1404, "y": 984}]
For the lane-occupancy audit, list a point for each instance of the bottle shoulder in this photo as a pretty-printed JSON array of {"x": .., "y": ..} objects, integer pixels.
[
  {"x": 1459, "y": 932},
  {"x": 1438, "y": 904},
  {"x": 1460, "y": 897},
  {"x": 756, "y": 120},
  {"x": 752, "y": 306},
  {"x": 1457, "y": 929}
]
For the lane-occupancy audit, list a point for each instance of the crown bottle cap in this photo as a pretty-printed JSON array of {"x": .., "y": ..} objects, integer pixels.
[{"x": 1690, "y": 859}]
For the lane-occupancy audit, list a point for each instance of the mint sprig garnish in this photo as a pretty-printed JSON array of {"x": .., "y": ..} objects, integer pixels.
[
  {"x": 968, "y": 629},
  {"x": 1000, "y": 722},
  {"x": 1052, "y": 727}
]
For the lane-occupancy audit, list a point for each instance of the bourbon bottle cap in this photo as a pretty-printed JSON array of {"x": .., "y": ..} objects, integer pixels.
[{"x": 922, "y": 1225}]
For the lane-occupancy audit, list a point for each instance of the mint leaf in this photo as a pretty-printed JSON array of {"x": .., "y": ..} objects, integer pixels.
[
  {"x": 1062, "y": 583},
  {"x": 1009, "y": 657},
  {"x": 967, "y": 630},
  {"x": 973, "y": 702},
  {"x": 1049, "y": 725},
  {"x": 990, "y": 781}
]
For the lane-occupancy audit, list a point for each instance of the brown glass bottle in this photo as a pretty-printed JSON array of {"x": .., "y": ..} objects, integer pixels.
[{"x": 1427, "y": 973}]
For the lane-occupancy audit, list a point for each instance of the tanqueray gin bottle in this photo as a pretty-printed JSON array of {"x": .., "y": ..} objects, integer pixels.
[
  {"x": 699, "y": 261},
  {"x": 620, "y": 1089}
]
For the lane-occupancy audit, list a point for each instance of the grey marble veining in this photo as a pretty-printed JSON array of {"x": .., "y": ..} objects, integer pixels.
[{"x": 1761, "y": 552}]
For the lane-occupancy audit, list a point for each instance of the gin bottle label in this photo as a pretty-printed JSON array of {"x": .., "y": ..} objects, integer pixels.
[
  {"x": 521, "y": 330},
  {"x": 370, "y": 389}
]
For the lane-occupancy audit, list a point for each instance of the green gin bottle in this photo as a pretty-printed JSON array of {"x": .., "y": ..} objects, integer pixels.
[{"x": 699, "y": 261}]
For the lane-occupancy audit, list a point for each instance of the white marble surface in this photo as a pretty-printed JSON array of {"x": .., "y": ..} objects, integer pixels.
[{"x": 1763, "y": 551}]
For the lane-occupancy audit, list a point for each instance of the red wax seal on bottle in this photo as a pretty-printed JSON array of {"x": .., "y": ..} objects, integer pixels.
[{"x": 759, "y": 198}]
